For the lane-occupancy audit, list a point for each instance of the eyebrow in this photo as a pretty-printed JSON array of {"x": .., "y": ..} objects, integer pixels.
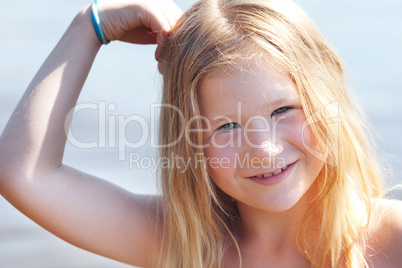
[
  {"x": 218, "y": 118},
  {"x": 282, "y": 100}
]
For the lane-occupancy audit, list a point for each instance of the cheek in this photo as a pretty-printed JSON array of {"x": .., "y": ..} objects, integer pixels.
[
  {"x": 226, "y": 139},
  {"x": 296, "y": 130},
  {"x": 220, "y": 162},
  {"x": 308, "y": 144},
  {"x": 308, "y": 140}
]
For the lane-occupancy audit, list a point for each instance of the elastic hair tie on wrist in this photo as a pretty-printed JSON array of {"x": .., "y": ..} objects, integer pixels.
[{"x": 97, "y": 25}]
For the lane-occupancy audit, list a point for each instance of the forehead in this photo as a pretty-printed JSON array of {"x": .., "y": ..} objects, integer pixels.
[{"x": 249, "y": 83}]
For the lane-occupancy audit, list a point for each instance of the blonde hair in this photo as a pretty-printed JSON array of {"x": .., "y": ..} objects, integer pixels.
[{"x": 199, "y": 220}]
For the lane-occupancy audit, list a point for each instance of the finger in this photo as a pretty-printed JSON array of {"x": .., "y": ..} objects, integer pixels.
[
  {"x": 159, "y": 53},
  {"x": 176, "y": 10},
  {"x": 156, "y": 20},
  {"x": 172, "y": 13},
  {"x": 162, "y": 19},
  {"x": 160, "y": 67},
  {"x": 140, "y": 35},
  {"x": 162, "y": 38}
]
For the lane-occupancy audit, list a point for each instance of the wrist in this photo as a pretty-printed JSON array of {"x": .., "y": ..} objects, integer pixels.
[
  {"x": 83, "y": 22},
  {"x": 96, "y": 21}
]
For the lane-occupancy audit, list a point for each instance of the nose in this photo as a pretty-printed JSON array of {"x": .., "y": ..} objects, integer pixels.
[
  {"x": 264, "y": 146},
  {"x": 266, "y": 149}
]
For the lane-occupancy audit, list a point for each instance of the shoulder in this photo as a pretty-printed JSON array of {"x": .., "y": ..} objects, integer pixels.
[
  {"x": 390, "y": 210},
  {"x": 385, "y": 233}
]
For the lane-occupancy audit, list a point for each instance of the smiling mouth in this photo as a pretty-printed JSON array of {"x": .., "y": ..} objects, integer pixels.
[{"x": 272, "y": 174}]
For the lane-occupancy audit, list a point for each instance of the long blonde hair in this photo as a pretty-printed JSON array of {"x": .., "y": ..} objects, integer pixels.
[{"x": 199, "y": 220}]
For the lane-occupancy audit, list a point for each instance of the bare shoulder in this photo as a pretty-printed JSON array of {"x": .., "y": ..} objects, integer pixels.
[{"x": 385, "y": 234}]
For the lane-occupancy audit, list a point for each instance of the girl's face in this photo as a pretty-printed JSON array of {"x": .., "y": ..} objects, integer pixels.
[{"x": 256, "y": 138}]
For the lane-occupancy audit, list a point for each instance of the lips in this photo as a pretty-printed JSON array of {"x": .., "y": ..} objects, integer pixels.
[{"x": 272, "y": 178}]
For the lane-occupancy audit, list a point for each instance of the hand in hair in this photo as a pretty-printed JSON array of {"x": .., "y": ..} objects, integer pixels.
[
  {"x": 81, "y": 209},
  {"x": 140, "y": 21}
]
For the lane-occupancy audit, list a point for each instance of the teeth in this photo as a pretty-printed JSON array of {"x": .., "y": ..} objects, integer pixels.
[
  {"x": 272, "y": 174},
  {"x": 278, "y": 171}
]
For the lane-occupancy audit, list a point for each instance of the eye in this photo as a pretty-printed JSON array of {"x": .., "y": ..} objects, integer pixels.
[
  {"x": 281, "y": 110},
  {"x": 228, "y": 126}
]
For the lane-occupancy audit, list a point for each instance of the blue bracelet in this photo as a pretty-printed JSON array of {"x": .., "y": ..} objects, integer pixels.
[{"x": 97, "y": 25}]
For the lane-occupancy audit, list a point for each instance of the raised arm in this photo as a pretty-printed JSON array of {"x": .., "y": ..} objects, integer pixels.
[{"x": 81, "y": 209}]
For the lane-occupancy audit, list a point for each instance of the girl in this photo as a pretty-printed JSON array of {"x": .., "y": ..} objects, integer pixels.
[{"x": 280, "y": 171}]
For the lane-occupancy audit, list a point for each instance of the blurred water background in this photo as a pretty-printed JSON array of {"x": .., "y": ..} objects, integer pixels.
[{"x": 124, "y": 78}]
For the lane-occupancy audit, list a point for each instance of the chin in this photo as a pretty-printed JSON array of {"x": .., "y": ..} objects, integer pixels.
[{"x": 286, "y": 201}]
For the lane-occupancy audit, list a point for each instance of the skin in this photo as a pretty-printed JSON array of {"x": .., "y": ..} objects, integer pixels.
[
  {"x": 67, "y": 202},
  {"x": 267, "y": 134},
  {"x": 33, "y": 177},
  {"x": 270, "y": 213}
]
